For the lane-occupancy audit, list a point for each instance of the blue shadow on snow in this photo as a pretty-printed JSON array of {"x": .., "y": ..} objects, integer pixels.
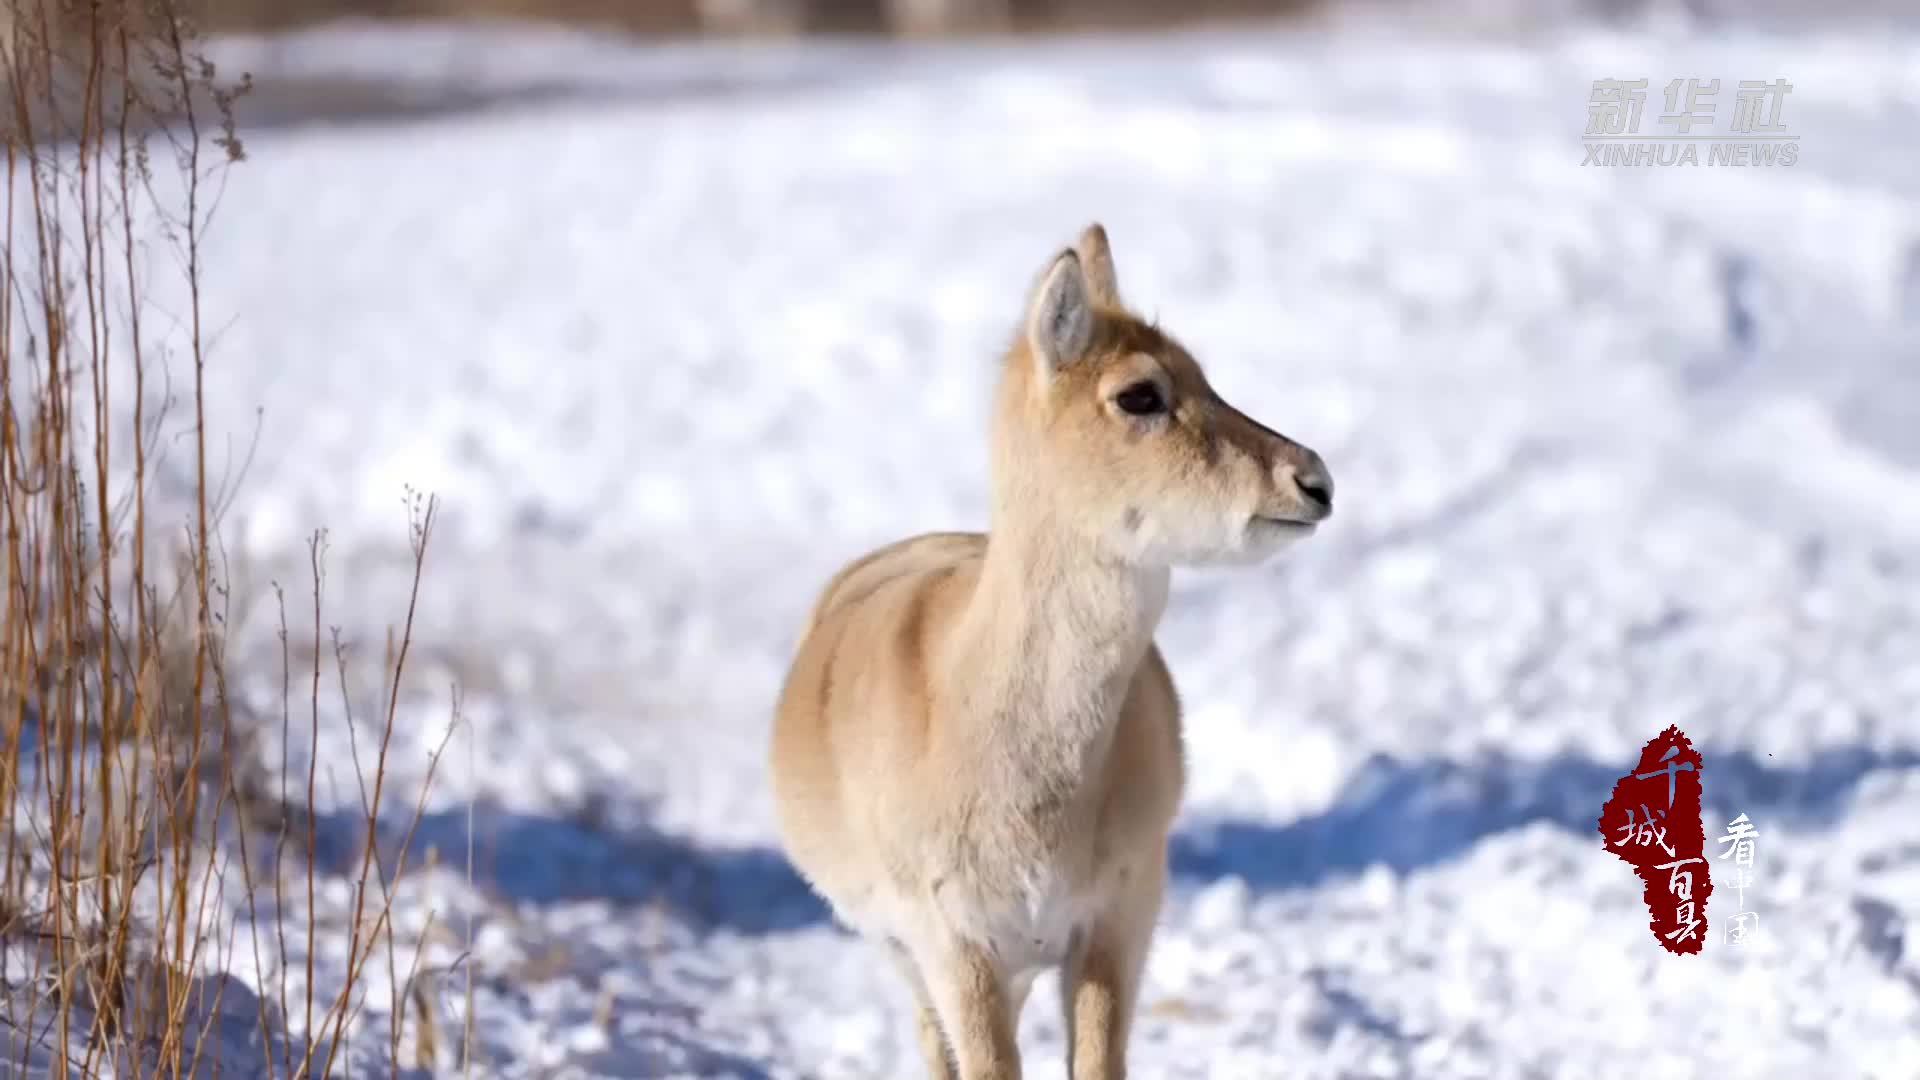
[
  {"x": 1405, "y": 815},
  {"x": 1408, "y": 815},
  {"x": 534, "y": 859}
]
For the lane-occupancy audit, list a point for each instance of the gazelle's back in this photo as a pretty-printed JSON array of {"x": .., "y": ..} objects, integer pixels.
[
  {"x": 856, "y": 714},
  {"x": 928, "y": 552}
]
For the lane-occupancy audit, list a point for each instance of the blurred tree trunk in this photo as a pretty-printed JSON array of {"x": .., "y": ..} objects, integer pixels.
[
  {"x": 1084, "y": 14},
  {"x": 927, "y": 18},
  {"x": 848, "y": 16},
  {"x": 753, "y": 17}
]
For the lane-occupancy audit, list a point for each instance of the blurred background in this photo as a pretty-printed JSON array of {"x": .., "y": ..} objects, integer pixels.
[
  {"x": 912, "y": 17},
  {"x": 676, "y": 307}
]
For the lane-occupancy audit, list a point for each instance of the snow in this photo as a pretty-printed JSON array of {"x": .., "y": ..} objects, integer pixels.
[{"x": 674, "y": 332}]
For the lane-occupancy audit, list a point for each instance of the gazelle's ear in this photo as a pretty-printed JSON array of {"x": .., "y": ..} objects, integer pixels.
[
  {"x": 1060, "y": 316},
  {"x": 1096, "y": 256}
]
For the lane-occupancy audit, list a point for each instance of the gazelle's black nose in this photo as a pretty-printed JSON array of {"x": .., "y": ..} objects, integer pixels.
[
  {"x": 1317, "y": 489},
  {"x": 1315, "y": 483}
]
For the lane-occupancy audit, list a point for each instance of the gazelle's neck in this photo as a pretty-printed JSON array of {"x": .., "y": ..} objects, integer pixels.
[{"x": 1051, "y": 638}]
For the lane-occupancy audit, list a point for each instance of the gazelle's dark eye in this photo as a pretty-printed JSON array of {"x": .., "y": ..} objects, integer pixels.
[{"x": 1141, "y": 399}]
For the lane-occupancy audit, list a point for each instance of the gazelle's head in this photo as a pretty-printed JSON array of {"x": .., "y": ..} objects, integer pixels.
[{"x": 1107, "y": 426}]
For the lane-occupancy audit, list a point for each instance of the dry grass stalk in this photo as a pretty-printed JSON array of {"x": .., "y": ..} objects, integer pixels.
[{"x": 135, "y": 785}]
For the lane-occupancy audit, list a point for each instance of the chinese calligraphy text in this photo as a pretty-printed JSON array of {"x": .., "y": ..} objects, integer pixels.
[
  {"x": 1738, "y": 841},
  {"x": 1652, "y": 822}
]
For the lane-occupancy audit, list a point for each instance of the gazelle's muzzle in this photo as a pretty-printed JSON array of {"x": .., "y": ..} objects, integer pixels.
[{"x": 1299, "y": 487}]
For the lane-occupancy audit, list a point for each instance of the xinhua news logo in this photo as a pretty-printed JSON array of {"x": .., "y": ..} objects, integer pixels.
[{"x": 1699, "y": 125}]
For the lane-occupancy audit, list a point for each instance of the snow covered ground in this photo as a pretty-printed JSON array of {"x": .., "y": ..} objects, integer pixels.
[{"x": 679, "y": 330}]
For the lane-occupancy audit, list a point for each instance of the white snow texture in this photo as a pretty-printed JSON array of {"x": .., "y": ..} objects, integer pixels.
[{"x": 675, "y": 331}]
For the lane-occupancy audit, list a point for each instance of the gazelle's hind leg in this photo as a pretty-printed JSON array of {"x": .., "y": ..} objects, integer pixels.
[
  {"x": 1100, "y": 982},
  {"x": 1018, "y": 988},
  {"x": 933, "y": 1042},
  {"x": 973, "y": 1000}
]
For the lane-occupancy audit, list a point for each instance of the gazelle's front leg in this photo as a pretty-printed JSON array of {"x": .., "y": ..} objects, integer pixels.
[
  {"x": 1100, "y": 982},
  {"x": 975, "y": 1010}
]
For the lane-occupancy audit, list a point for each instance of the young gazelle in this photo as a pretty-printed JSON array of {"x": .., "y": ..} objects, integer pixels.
[{"x": 977, "y": 756}]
